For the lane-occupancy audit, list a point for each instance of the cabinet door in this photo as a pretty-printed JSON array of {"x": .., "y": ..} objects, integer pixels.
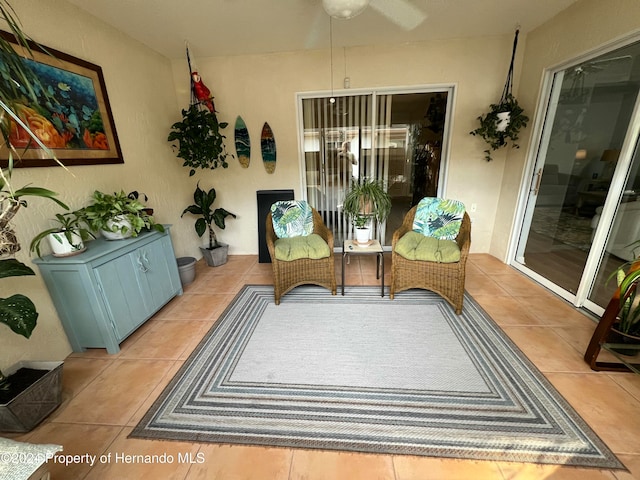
[
  {"x": 122, "y": 295},
  {"x": 157, "y": 272}
]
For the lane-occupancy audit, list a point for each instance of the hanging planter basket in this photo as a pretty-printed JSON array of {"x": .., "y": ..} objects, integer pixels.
[{"x": 502, "y": 124}]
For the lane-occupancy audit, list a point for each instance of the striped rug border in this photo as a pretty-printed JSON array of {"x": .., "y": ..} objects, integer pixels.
[{"x": 521, "y": 400}]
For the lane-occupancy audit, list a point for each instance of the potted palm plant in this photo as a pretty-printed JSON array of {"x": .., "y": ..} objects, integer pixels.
[
  {"x": 216, "y": 252},
  {"x": 366, "y": 200},
  {"x": 117, "y": 216}
]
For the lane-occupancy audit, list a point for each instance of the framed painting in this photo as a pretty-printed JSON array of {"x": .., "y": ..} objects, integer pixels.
[{"x": 72, "y": 116}]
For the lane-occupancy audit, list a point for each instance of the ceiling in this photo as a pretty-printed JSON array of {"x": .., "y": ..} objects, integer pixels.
[{"x": 237, "y": 27}]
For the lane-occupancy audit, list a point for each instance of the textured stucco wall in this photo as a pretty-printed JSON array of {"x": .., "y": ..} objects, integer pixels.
[{"x": 263, "y": 87}]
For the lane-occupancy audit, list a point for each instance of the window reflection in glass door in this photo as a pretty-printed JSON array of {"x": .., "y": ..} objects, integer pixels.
[
  {"x": 588, "y": 117},
  {"x": 396, "y": 138},
  {"x": 624, "y": 231}
]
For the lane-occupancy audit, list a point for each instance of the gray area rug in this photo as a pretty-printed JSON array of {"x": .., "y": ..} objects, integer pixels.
[{"x": 369, "y": 374}]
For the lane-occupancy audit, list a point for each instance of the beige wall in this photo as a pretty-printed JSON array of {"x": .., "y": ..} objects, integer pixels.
[
  {"x": 581, "y": 28},
  {"x": 263, "y": 87}
]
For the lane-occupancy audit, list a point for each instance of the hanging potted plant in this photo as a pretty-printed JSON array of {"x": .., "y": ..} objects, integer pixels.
[
  {"x": 200, "y": 140},
  {"x": 502, "y": 124},
  {"x": 216, "y": 252},
  {"x": 199, "y": 136}
]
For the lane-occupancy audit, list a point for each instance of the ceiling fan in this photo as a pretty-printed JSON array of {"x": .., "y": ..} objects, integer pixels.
[{"x": 401, "y": 12}]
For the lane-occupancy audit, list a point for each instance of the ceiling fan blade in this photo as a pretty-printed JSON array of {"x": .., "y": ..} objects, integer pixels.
[{"x": 401, "y": 12}]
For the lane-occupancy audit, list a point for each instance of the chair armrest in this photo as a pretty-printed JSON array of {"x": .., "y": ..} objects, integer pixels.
[
  {"x": 321, "y": 229},
  {"x": 407, "y": 226},
  {"x": 464, "y": 237},
  {"x": 270, "y": 236}
]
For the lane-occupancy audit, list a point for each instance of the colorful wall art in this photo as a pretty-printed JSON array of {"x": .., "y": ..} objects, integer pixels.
[
  {"x": 72, "y": 115},
  {"x": 268, "y": 147},
  {"x": 243, "y": 142}
]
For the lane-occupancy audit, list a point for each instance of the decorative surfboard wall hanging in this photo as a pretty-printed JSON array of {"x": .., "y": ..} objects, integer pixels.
[
  {"x": 243, "y": 143},
  {"x": 268, "y": 147}
]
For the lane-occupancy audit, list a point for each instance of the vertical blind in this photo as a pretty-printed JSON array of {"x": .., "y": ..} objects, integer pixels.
[{"x": 340, "y": 145}]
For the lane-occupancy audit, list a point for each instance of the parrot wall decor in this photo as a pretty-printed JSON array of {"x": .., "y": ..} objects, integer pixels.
[{"x": 199, "y": 91}]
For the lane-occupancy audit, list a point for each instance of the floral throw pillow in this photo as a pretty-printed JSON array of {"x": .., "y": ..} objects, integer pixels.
[
  {"x": 292, "y": 218},
  {"x": 439, "y": 218}
]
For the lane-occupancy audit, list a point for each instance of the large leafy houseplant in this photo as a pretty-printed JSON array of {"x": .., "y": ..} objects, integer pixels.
[
  {"x": 365, "y": 199},
  {"x": 203, "y": 208},
  {"x": 629, "y": 316},
  {"x": 200, "y": 140},
  {"x": 17, "y": 311},
  {"x": 107, "y": 211}
]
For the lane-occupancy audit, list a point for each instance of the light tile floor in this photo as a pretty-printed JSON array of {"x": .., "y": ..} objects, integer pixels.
[{"x": 105, "y": 395}]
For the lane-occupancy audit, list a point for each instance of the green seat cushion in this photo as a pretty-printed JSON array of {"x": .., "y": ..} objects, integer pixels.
[
  {"x": 311, "y": 246},
  {"x": 415, "y": 246}
]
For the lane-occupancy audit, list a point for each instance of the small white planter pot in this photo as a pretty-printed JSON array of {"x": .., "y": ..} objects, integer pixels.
[
  {"x": 62, "y": 247},
  {"x": 362, "y": 235},
  {"x": 504, "y": 119},
  {"x": 118, "y": 235}
]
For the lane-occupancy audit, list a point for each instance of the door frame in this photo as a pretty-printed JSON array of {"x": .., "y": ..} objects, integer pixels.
[
  {"x": 528, "y": 179},
  {"x": 450, "y": 88}
]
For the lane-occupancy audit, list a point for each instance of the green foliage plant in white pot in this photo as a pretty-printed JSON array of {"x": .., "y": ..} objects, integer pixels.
[
  {"x": 117, "y": 216},
  {"x": 66, "y": 238},
  {"x": 496, "y": 130},
  {"x": 366, "y": 200}
]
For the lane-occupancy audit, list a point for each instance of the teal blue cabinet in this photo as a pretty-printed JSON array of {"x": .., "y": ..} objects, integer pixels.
[{"x": 105, "y": 293}]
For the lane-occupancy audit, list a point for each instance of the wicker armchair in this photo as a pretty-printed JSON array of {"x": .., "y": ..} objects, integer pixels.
[
  {"x": 445, "y": 279},
  {"x": 290, "y": 274}
]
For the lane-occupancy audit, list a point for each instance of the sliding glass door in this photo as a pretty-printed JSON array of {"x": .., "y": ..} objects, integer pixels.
[
  {"x": 585, "y": 179},
  {"x": 623, "y": 232},
  {"x": 394, "y": 137}
]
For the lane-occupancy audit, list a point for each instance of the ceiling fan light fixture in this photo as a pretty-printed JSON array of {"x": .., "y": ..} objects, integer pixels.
[{"x": 344, "y": 9}]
